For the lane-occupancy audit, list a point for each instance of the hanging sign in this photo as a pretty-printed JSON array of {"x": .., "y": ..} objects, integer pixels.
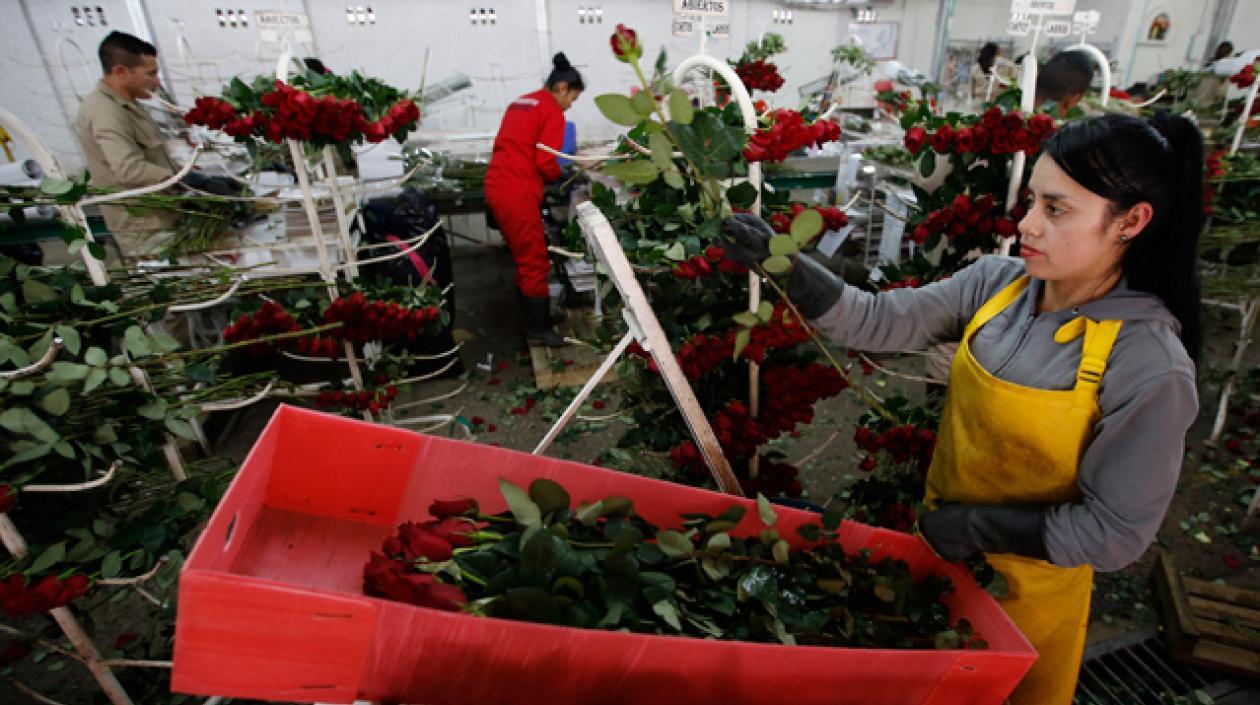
[
  {"x": 708, "y": 8},
  {"x": 1086, "y": 22},
  {"x": 281, "y": 20},
  {"x": 1019, "y": 26},
  {"x": 721, "y": 30},
  {"x": 1043, "y": 7},
  {"x": 1058, "y": 28},
  {"x": 685, "y": 25}
]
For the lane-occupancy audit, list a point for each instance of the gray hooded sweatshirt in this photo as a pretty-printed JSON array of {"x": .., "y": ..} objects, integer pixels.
[{"x": 1148, "y": 398}]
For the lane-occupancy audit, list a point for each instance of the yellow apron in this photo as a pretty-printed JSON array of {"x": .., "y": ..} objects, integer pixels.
[{"x": 1002, "y": 443}]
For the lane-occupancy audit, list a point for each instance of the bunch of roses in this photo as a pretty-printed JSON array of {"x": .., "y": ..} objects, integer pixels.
[
  {"x": 1245, "y": 77},
  {"x": 317, "y": 346},
  {"x": 374, "y": 400},
  {"x": 833, "y": 218},
  {"x": 377, "y": 320},
  {"x": 269, "y": 319},
  {"x": 713, "y": 260},
  {"x": 214, "y": 113},
  {"x": 902, "y": 442},
  {"x": 760, "y": 76},
  {"x": 786, "y": 134},
  {"x": 397, "y": 572},
  {"x": 965, "y": 215},
  {"x": 893, "y": 101},
  {"x": 704, "y": 352},
  {"x": 995, "y": 133},
  {"x": 18, "y": 597}
]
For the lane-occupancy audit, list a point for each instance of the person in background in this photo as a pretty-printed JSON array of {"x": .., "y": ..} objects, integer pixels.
[
  {"x": 515, "y": 179},
  {"x": 123, "y": 146},
  {"x": 1224, "y": 50},
  {"x": 1069, "y": 401},
  {"x": 988, "y": 63},
  {"x": 1063, "y": 80}
]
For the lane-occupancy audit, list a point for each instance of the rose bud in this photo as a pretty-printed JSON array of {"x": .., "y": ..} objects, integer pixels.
[
  {"x": 625, "y": 44},
  {"x": 463, "y": 506}
]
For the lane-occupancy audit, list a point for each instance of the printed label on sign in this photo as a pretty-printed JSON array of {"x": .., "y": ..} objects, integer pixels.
[
  {"x": 1086, "y": 22},
  {"x": 710, "y": 8},
  {"x": 721, "y": 30},
  {"x": 685, "y": 25},
  {"x": 1043, "y": 7},
  {"x": 281, "y": 19},
  {"x": 1058, "y": 28},
  {"x": 1019, "y": 26}
]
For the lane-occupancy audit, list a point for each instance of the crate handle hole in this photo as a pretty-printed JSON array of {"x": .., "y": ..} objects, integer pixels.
[
  {"x": 969, "y": 669},
  {"x": 227, "y": 535}
]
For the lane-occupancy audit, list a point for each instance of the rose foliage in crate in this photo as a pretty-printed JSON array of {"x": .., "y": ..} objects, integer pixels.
[
  {"x": 601, "y": 566},
  {"x": 669, "y": 227}
]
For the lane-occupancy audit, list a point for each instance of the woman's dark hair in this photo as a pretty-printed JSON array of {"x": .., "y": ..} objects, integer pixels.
[
  {"x": 1127, "y": 160},
  {"x": 988, "y": 54},
  {"x": 563, "y": 72}
]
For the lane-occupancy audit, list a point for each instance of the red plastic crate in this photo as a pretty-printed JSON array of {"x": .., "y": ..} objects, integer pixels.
[{"x": 271, "y": 603}]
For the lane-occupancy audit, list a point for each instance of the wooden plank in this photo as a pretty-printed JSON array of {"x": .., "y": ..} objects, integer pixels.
[
  {"x": 1221, "y": 611},
  {"x": 1171, "y": 595},
  {"x": 550, "y": 370},
  {"x": 1223, "y": 593},
  {"x": 1241, "y": 662},
  {"x": 1223, "y": 633}
]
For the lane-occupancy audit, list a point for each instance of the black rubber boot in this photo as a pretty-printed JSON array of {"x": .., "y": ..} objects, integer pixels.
[{"x": 538, "y": 328}]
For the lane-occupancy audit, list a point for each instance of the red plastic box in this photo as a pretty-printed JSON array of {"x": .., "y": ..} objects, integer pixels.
[{"x": 271, "y": 603}]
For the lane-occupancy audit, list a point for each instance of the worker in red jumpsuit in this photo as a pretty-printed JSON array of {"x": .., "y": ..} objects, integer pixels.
[{"x": 514, "y": 189}]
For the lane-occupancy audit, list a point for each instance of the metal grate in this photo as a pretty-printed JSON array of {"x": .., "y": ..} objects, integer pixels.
[{"x": 1137, "y": 669}]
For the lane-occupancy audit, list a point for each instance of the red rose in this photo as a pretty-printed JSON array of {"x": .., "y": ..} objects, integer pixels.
[
  {"x": 1021, "y": 140},
  {"x": 920, "y": 234},
  {"x": 1000, "y": 142},
  {"x": 442, "y": 508},
  {"x": 868, "y": 464},
  {"x": 1004, "y": 227},
  {"x": 942, "y": 139},
  {"x": 8, "y": 498},
  {"x": 916, "y": 137},
  {"x": 956, "y": 230},
  {"x": 625, "y": 44},
  {"x": 374, "y": 132},
  {"x": 979, "y": 138},
  {"x": 963, "y": 142},
  {"x": 983, "y": 203},
  {"x": 414, "y": 541},
  {"x": 961, "y": 205},
  {"x": 440, "y": 596},
  {"x": 714, "y": 253},
  {"x": 992, "y": 117},
  {"x": 1041, "y": 124},
  {"x": 456, "y": 531},
  {"x": 1013, "y": 120},
  {"x": 985, "y": 225}
]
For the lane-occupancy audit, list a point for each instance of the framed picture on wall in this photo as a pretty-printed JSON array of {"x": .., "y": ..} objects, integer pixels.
[
  {"x": 879, "y": 39},
  {"x": 1157, "y": 29}
]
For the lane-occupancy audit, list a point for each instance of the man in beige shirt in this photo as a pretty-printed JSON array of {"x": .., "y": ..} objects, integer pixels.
[{"x": 122, "y": 143}]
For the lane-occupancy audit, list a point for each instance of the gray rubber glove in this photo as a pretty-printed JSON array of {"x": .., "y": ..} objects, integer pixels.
[
  {"x": 811, "y": 286},
  {"x": 217, "y": 185},
  {"x": 959, "y": 531}
]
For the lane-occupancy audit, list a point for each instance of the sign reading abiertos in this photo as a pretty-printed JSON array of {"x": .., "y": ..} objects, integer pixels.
[
  {"x": 712, "y": 8},
  {"x": 1043, "y": 7}
]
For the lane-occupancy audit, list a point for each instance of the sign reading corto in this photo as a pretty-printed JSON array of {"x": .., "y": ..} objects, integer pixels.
[{"x": 711, "y": 8}]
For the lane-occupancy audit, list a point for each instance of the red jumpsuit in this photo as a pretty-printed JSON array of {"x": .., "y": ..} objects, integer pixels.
[{"x": 515, "y": 179}]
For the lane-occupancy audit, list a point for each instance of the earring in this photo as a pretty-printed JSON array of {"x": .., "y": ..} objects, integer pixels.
[{"x": 1124, "y": 238}]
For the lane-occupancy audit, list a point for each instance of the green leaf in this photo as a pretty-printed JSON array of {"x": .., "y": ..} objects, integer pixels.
[
  {"x": 927, "y": 163},
  {"x": 719, "y": 542},
  {"x": 742, "y": 195},
  {"x": 54, "y": 186},
  {"x": 764, "y": 311},
  {"x": 777, "y": 264},
  {"x": 643, "y": 103},
  {"x": 37, "y": 292},
  {"x": 70, "y": 337},
  {"x": 111, "y": 565},
  {"x": 680, "y": 109},
  {"x": 523, "y": 508},
  {"x": 783, "y": 245},
  {"x": 673, "y": 543},
  {"x": 67, "y": 372},
  {"x": 51, "y": 556},
  {"x": 189, "y": 502},
  {"x": 180, "y": 428},
  {"x": 548, "y": 495},
  {"x": 742, "y": 339},
  {"x": 137, "y": 344},
  {"x": 676, "y": 252},
  {"x": 806, "y": 226},
  {"x": 94, "y": 379},
  {"x": 675, "y": 179},
  {"x": 14, "y": 419},
  {"x": 666, "y": 611},
  {"x": 119, "y": 377},
  {"x": 56, "y": 402},
  {"x": 64, "y": 449},
  {"x": 632, "y": 172},
  {"x": 95, "y": 356},
  {"x": 781, "y": 551},
  {"x": 662, "y": 151},
  {"x": 766, "y": 510},
  {"x": 618, "y": 108},
  {"x": 589, "y": 514},
  {"x": 746, "y": 319},
  {"x": 155, "y": 410}
]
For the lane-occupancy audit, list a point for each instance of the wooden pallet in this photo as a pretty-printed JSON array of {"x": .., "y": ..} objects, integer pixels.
[
  {"x": 1208, "y": 624},
  {"x": 550, "y": 368}
]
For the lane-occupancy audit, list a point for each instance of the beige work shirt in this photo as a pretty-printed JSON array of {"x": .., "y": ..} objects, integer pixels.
[{"x": 124, "y": 149}]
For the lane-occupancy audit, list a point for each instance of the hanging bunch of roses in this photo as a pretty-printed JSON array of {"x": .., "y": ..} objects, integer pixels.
[
  {"x": 1245, "y": 77},
  {"x": 994, "y": 132},
  {"x": 787, "y": 132},
  {"x": 759, "y": 75},
  {"x": 322, "y": 109}
]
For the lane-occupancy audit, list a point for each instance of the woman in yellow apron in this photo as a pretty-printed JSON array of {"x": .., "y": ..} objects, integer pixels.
[{"x": 1074, "y": 384}]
